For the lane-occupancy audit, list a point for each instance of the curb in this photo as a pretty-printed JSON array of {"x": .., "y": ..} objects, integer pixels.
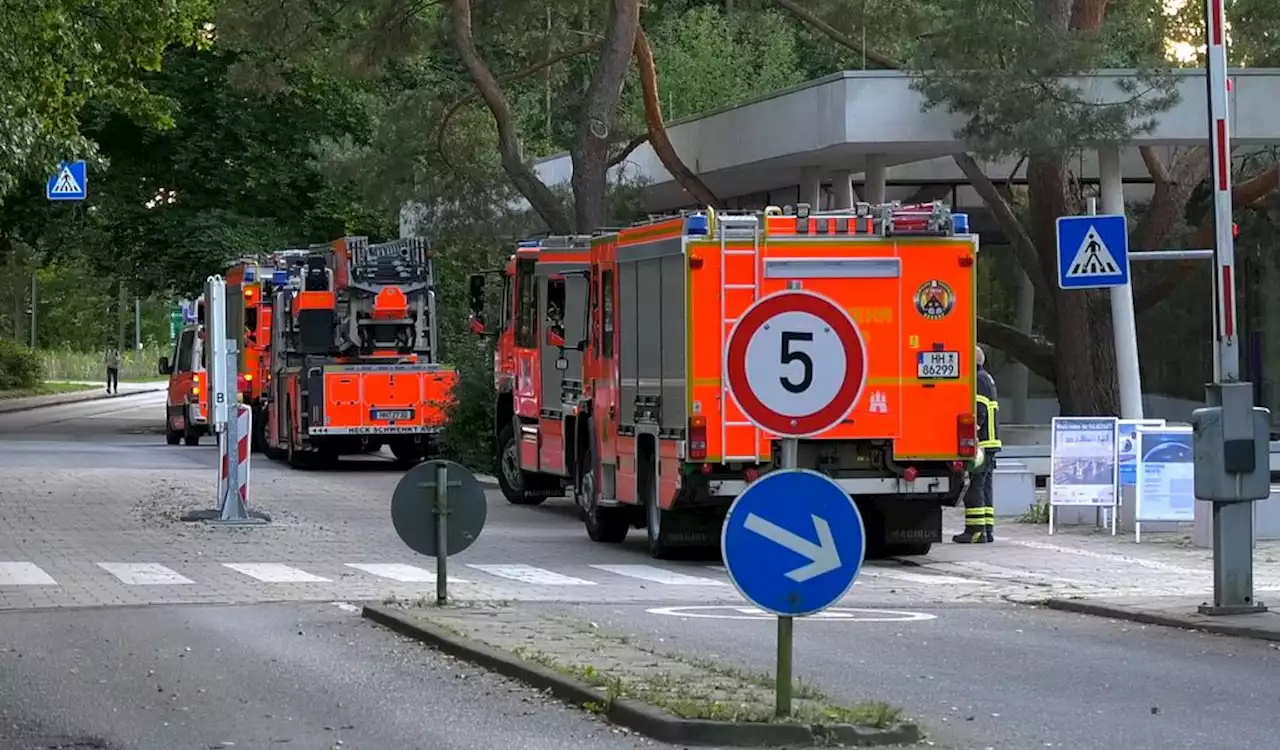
[
  {"x": 14, "y": 406},
  {"x": 1168, "y": 621},
  {"x": 632, "y": 714}
]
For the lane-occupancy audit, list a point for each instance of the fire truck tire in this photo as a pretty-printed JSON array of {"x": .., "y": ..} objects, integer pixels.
[
  {"x": 604, "y": 525},
  {"x": 191, "y": 436},
  {"x": 513, "y": 482},
  {"x": 407, "y": 453},
  {"x": 659, "y": 543},
  {"x": 172, "y": 437}
]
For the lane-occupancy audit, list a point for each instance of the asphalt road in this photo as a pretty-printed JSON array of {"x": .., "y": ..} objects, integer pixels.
[
  {"x": 305, "y": 676},
  {"x": 1005, "y": 677}
]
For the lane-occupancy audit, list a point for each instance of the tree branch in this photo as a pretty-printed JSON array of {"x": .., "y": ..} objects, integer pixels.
[
  {"x": 662, "y": 146},
  {"x": 540, "y": 197},
  {"x": 1034, "y": 352},
  {"x": 834, "y": 34},
  {"x": 630, "y": 146},
  {"x": 1023, "y": 246},
  {"x": 504, "y": 80},
  {"x": 1247, "y": 193}
]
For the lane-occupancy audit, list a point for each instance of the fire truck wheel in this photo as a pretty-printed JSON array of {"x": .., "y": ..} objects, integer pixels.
[
  {"x": 513, "y": 482},
  {"x": 191, "y": 436},
  {"x": 604, "y": 525},
  {"x": 172, "y": 437},
  {"x": 659, "y": 543}
]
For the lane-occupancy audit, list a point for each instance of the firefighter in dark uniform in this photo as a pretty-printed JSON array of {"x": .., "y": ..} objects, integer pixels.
[{"x": 979, "y": 511}]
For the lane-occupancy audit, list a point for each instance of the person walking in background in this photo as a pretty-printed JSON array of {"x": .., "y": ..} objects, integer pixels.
[
  {"x": 113, "y": 369},
  {"x": 979, "y": 508}
]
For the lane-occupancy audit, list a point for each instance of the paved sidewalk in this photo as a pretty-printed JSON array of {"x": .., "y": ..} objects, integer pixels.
[{"x": 13, "y": 405}]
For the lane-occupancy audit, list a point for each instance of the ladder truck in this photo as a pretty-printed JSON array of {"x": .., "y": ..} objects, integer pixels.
[{"x": 353, "y": 353}]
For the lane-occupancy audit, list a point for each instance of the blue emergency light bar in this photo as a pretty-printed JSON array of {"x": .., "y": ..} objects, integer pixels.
[
  {"x": 695, "y": 224},
  {"x": 250, "y": 273},
  {"x": 529, "y": 243},
  {"x": 279, "y": 277},
  {"x": 960, "y": 222}
]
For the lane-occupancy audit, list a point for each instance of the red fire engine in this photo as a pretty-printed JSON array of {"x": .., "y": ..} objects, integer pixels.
[{"x": 636, "y": 417}]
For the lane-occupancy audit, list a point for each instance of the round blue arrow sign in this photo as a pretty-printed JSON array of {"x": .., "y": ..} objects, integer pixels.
[{"x": 793, "y": 542}]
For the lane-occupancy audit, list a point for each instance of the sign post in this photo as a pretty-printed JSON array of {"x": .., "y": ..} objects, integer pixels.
[
  {"x": 444, "y": 520},
  {"x": 796, "y": 366}
]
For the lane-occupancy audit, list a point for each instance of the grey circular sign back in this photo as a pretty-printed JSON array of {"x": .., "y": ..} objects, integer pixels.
[{"x": 413, "y": 507}]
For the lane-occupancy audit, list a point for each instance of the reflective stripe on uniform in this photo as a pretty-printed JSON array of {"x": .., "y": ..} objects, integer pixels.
[{"x": 989, "y": 440}]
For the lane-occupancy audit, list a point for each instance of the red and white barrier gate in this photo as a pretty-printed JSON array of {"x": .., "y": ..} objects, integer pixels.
[{"x": 242, "y": 432}]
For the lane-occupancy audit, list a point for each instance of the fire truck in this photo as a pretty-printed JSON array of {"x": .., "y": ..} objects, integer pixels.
[
  {"x": 653, "y": 438},
  {"x": 544, "y": 280},
  {"x": 353, "y": 353}
]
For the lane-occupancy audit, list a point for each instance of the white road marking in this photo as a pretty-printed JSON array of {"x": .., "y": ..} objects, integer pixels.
[
  {"x": 1109, "y": 557},
  {"x": 401, "y": 572},
  {"x": 530, "y": 574},
  {"x": 346, "y": 606},
  {"x": 903, "y": 575},
  {"x": 144, "y": 574},
  {"x": 275, "y": 573},
  {"x": 658, "y": 575},
  {"x": 24, "y": 574}
]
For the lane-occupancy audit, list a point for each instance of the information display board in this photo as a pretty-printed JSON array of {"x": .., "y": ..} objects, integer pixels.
[{"x": 1165, "y": 489}]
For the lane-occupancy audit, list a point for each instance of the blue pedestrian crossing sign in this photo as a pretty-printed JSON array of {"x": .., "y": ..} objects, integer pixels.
[
  {"x": 69, "y": 183},
  {"x": 1093, "y": 251},
  {"x": 793, "y": 542}
]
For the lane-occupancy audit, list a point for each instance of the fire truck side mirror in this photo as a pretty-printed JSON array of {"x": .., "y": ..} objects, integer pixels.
[
  {"x": 164, "y": 367},
  {"x": 477, "y": 284}
]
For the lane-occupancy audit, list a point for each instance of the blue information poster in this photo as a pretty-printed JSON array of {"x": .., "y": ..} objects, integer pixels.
[
  {"x": 1083, "y": 461},
  {"x": 1127, "y": 448},
  {"x": 1166, "y": 475}
]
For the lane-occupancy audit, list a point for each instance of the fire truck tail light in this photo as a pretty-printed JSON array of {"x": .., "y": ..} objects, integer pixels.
[
  {"x": 910, "y": 473},
  {"x": 695, "y": 262},
  {"x": 966, "y": 435},
  {"x": 697, "y": 438},
  {"x": 751, "y": 475}
]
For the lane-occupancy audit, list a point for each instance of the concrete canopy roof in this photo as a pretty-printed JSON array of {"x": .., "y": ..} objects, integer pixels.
[{"x": 833, "y": 123}]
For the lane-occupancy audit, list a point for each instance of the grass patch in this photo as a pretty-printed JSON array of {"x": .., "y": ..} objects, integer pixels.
[
  {"x": 687, "y": 697},
  {"x": 1037, "y": 512},
  {"x": 67, "y": 364},
  {"x": 48, "y": 389}
]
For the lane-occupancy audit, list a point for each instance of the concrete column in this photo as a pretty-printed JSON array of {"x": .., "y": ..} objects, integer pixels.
[
  {"x": 1023, "y": 317},
  {"x": 811, "y": 187},
  {"x": 1122, "y": 312},
  {"x": 842, "y": 189},
  {"x": 874, "y": 178}
]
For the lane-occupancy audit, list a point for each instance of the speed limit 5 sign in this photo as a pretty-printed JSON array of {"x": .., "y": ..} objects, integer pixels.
[{"x": 796, "y": 363}]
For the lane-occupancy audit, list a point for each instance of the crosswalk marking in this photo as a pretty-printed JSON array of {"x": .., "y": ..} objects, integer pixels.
[
  {"x": 530, "y": 574},
  {"x": 275, "y": 573},
  {"x": 658, "y": 575},
  {"x": 401, "y": 572},
  {"x": 24, "y": 574},
  {"x": 144, "y": 574}
]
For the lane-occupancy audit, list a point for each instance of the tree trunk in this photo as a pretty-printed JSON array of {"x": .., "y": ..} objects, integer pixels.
[
  {"x": 1084, "y": 348},
  {"x": 591, "y": 151}
]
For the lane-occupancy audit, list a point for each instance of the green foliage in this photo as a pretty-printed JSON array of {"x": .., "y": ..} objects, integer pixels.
[
  {"x": 19, "y": 367},
  {"x": 61, "y": 56},
  {"x": 468, "y": 437},
  {"x": 1007, "y": 86},
  {"x": 708, "y": 59}
]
